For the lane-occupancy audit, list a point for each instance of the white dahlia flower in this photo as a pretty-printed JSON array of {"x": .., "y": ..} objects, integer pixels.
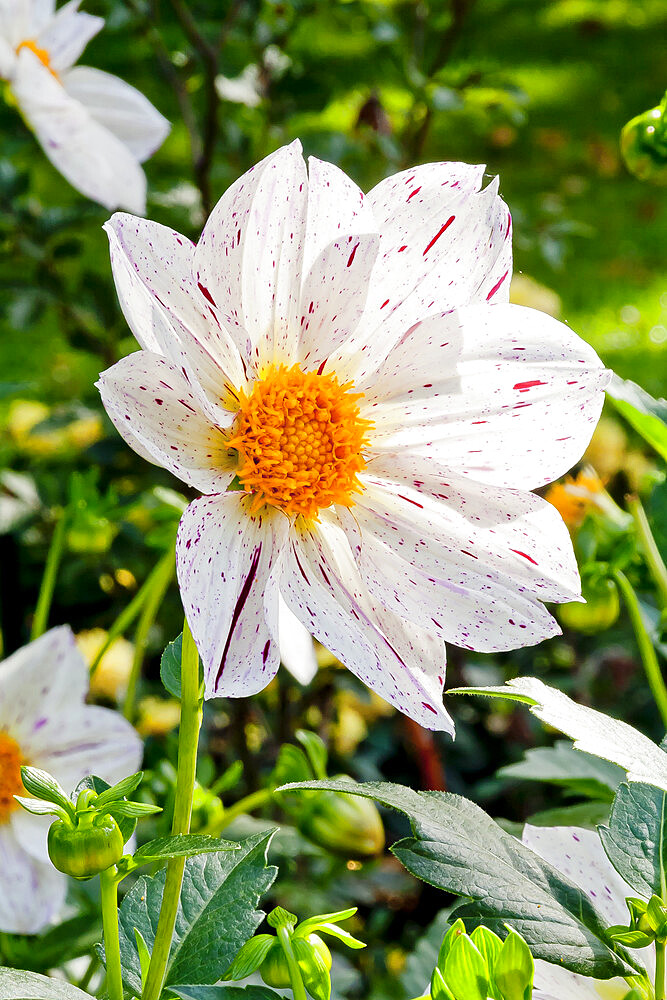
[
  {"x": 45, "y": 722},
  {"x": 343, "y": 379},
  {"x": 94, "y": 128},
  {"x": 579, "y": 855}
]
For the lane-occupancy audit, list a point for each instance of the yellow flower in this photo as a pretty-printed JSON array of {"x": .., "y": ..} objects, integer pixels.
[
  {"x": 113, "y": 671},
  {"x": 574, "y": 497},
  {"x": 158, "y": 716}
]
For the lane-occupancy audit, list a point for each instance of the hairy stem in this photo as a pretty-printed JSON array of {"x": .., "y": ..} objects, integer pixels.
[
  {"x": 188, "y": 738},
  {"x": 111, "y": 943},
  {"x": 646, "y": 650}
]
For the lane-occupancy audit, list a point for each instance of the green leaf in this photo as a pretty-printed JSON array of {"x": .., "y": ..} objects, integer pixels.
[
  {"x": 315, "y": 749},
  {"x": 562, "y": 765},
  {"x": 59, "y": 944},
  {"x": 185, "y": 845},
  {"x": 647, "y": 415},
  {"x": 465, "y": 971},
  {"x": 455, "y": 931},
  {"x": 489, "y": 946},
  {"x": 439, "y": 988},
  {"x": 592, "y": 731},
  {"x": 280, "y": 917},
  {"x": 132, "y": 809},
  {"x": 216, "y": 914},
  {"x": 170, "y": 667},
  {"x": 144, "y": 957},
  {"x": 250, "y": 957},
  {"x": 420, "y": 964},
  {"x": 39, "y": 807},
  {"x": 313, "y": 968},
  {"x": 460, "y": 849},
  {"x": 225, "y": 993},
  {"x": 636, "y": 838},
  {"x": 44, "y": 786},
  {"x": 16, "y": 984},
  {"x": 514, "y": 969},
  {"x": 118, "y": 791}
]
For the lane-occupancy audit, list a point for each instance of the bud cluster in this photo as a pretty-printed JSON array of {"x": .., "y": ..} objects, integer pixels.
[{"x": 481, "y": 966}]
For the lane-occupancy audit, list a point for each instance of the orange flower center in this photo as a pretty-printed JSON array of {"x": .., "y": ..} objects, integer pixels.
[
  {"x": 42, "y": 54},
  {"x": 299, "y": 436},
  {"x": 11, "y": 759},
  {"x": 574, "y": 498}
]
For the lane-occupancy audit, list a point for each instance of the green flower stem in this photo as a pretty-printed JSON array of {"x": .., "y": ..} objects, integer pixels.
[
  {"x": 646, "y": 649},
  {"x": 650, "y": 550},
  {"x": 127, "y": 616},
  {"x": 246, "y": 805},
  {"x": 188, "y": 738},
  {"x": 111, "y": 942},
  {"x": 159, "y": 582},
  {"x": 298, "y": 989},
  {"x": 48, "y": 585},
  {"x": 660, "y": 970}
]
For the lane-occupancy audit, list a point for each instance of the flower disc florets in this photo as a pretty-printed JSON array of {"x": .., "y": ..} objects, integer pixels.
[
  {"x": 10, "y": 775},
  {"x": 300, "y": 437}
]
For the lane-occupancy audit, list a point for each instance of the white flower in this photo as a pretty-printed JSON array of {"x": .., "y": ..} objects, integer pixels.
[
  {"x": 342, "y": 377},
  {"x": 45, "y": 722},
  {"x": 95, "y": 129},
  {"x": 579, "y": 855}
]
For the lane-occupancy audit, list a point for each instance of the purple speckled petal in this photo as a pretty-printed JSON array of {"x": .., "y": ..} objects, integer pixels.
[
  {"x": 32, "y": 892},
  {"x": 227, "y": 564},
  {"x": 503, "y": 394},
  {"x": 402, "y": 663}
]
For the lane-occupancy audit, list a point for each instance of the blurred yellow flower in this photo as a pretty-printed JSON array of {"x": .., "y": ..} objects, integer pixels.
[
  {"x": 25, "y": 416},
  {"x": 158, "y": 716},
  {"x": 609, "y": 454},
  {"x": 112, "y": 674},
  {"x": 525, "y": 291},
  {"x": 574, "y": 497}
]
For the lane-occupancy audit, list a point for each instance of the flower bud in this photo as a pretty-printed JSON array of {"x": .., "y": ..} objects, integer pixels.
[
  {"x": 644, "y": 145},
  {"x": 91, "y": 846},
  {"x": 600, "y": 611},
  {"x": 343, "y": 824}
]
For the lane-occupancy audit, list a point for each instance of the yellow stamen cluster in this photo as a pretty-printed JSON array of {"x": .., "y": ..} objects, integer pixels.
[
  {"x": 299, "y": 437},
  {"x": 575, "y": 497},
  {"x": 10, "y": 775},
  {"x": 42, "y": 54}
]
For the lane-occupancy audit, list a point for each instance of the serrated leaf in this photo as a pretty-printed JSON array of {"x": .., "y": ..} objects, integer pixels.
[
  {"x": 170, "y": 667},
  {"x": 592, "y": 731},
  {"x": 460, "y": 849},
  {"x": 647, "y": 415},
  {"x": 225, "y": 993},
  {"x": 217, "y": 913},
  {"x": 16, "y": 984},
  {"x": 636, "y": 838},
  {"x": 185, "y": 845}
]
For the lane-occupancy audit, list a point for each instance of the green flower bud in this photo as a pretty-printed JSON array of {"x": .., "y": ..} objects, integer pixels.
[
  {"x": 644, "y": 145},
  {"x": 87, "y": 848},
  {"x": 600, "y": 611},
  {"x": 274, "y": 969},
  {"x": 343, "y": 824}
]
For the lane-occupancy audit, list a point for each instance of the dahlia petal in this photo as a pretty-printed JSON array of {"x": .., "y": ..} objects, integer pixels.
[
  {"x": 333, "y": 296},
  {"x": 442, "y": 587},
  {"x": 553, "y": 982},
  {"x": 93, "y": 160},
  {"x": 516, "y": 534},
  {"x": 151, "y": 402},
  {"x": 336, "y": 208},
  {"x": 118, "y": 107},
  {"x": 297, "y": 652},
  {"x": 32, "y": 892},
  {"x": 42, "y": 12},
  {"x": 66, "y": 35},
  {"x": 227, "y": 562},
  {"x": 250, "y": 255},
  {"x": 7, "y": 56},
  {"x": 39, "y": 683},
  {"x": 402, "y": 663},
  {"x": 149, "y": 258},
  {"x": 503, "y": 394},
  {"x": 444, "y": 244}
]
